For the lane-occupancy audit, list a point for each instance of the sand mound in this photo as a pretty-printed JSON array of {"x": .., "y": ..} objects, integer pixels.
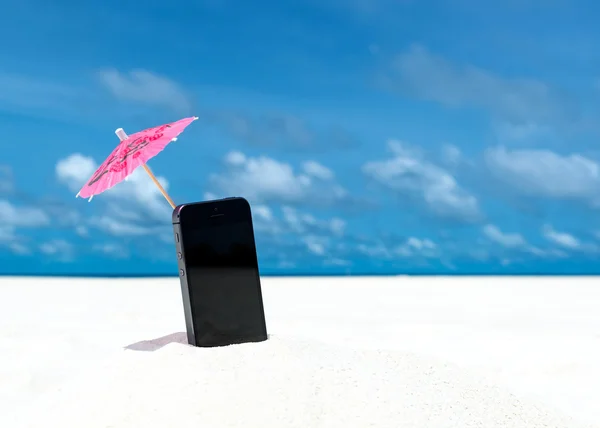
[{"x": 283, "y": 383}]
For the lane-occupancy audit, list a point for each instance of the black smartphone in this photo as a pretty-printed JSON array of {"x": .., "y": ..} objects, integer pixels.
[{"x": 218, "y": 269}]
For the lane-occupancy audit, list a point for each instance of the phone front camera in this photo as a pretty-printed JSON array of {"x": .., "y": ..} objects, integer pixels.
[{"x": 215, "y": 209}]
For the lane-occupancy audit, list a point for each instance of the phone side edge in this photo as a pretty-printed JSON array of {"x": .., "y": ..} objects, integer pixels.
[{"x": 185, "y": 289}]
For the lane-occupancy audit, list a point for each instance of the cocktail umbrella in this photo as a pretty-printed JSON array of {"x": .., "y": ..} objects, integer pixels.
[{"x": 134, "y": 151}]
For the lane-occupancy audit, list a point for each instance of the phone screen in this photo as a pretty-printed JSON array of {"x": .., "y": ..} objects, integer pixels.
[{"x": 223, "y": 281}]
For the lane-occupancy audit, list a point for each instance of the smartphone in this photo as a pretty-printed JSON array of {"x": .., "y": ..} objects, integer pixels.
[{"x": 218, "y": 269}]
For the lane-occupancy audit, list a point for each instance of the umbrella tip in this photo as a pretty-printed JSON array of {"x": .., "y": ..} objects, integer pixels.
[
  {"x": 195, "y": 117},
  {"x": 121, "y": 134},
  {"x": 77, "y": 195}
]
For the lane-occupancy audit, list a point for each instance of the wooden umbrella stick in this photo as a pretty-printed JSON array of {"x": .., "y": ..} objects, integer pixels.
[
  {"x": 123, "y": 136},
  {"x": 162, "y": 190}
]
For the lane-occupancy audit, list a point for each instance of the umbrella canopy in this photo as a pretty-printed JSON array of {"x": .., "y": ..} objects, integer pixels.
[{"x": 133, "y": 151}]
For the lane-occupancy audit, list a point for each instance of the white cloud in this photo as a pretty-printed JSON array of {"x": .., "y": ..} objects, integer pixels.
[
  {"x": 295, "y": 221},
  {"x": 132, "y": 208},
  {"x": 82, "y": 231},
  {"x": 19, "y": 248},
  {"x": 289, "y": 227},
  {"x": 58, "y": 248},
  {"x": 451, "y": 154},
  {"x": 209, "y": 196},
  {"x": 119, "y": 227},
  {"x": 514, "y": 100},
  {"x": 510, "y": 240},
  {"x": 144, "y": 87},
  {"x": 337, "y": 226},
  {"x": 567, "y": 242},
  {"x": 412, "y": 247},
  {"x": 302, "y": 222},
  {"x": 560, "y": 238},
  {"x": 545, "y": 173},
  {"x": 235, "y": 158},
  {"x": 337, "y": 262},
  {"x": 516, "y": 241},
  {"x": 13, "y": 216},
  {"x": 417, "y": 247},
  {"x": 408, "y": 172},
  {"x": 317, "y": 170},
  {"x": 375, "y": 251},
  {"x": 9, "y": 239},
  {"x": 316, "y": 244},
  {"x": 552, "y": 252},
  {"x": 264, "y": 221},
  {"x": 420, "y": 244},
  {"x": 75, "y": 170},
  {"x": 293, "y": 227},
  {"x": 263, "y": 212},
  {"x": 112, "y": 250},
  {"x": 263, "y": 179}
]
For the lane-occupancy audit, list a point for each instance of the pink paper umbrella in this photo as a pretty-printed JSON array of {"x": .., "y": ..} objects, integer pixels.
[{"x": 133, "y": 151}]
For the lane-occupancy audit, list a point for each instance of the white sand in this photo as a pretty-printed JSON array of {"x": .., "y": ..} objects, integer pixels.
[
  {"x": 284, "y": 384},
  {"x": 61, "y": 356}
]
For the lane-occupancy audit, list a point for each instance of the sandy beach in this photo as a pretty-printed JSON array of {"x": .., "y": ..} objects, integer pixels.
[{"x": 361, "y": 351}]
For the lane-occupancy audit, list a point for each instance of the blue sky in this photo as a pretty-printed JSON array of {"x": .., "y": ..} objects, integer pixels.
[{"x": 381, "y": 136}]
